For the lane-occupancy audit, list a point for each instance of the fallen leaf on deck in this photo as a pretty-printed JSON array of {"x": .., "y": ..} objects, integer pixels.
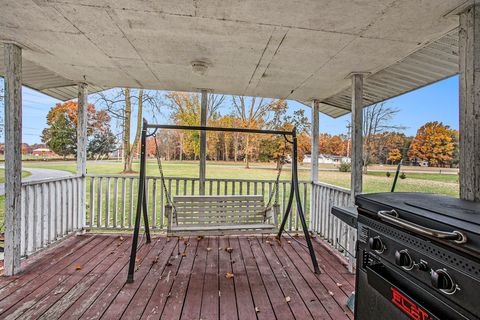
[
  {"x": 209, "y": 249},
  {"x": 257, "y": 310},
  {"x": 229, "y": 275},
  {"x": 184, "y": 254},
  {"x": 78, "y": 267},
  {"x": 229, "y": 250},
  {"x": 296, "y": 235},
  {"x": 330, "y": 293},
  {"x": 155, "y": 260},
  {"x": 169, "y": 264},
  {"x": 121, "y": 238},
  {"x": 199, "y": 238},
  {"x": 339, "y": 284},
  {"x": 287, "y": 299},
  {"x": 289, "y": 242}
]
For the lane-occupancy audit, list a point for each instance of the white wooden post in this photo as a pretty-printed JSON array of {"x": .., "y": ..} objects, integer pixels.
[
  {"x": 13, "y": 156},
  {"x": 315, "y": 128},
  {"x": 82, "y": 149},
  {"x": 314, "y": 157},
  {"x": 203, "y": 140},
  {"x": 469, "y": 59},
  {"x": 357, "y": 135}
]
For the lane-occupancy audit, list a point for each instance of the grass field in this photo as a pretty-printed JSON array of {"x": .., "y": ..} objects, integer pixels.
[{"x": 373, "y": 181}]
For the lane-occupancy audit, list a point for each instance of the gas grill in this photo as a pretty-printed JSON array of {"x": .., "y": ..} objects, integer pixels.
[{"x": 418, "y": 257}]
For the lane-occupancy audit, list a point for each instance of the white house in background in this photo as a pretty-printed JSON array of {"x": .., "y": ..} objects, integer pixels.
[{"x": 327, "y": 158}]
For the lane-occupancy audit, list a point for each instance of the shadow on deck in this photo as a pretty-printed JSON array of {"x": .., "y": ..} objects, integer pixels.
[{"x": 84, "y": 277}]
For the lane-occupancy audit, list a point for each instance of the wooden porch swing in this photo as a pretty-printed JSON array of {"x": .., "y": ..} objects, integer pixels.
[{"x": 201, "y": 215}]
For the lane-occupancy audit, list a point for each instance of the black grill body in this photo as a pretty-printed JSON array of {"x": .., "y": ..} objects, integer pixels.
[{"x": 406, "y": 274}]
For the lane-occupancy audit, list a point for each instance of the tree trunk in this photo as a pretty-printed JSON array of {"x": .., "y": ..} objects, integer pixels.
[
  {"x": 134, "y": 147},
  {"x": 127, "y": 159},
  {"x": 181, "y": 147},
  {"x": 247, "y": 146},
  {"x": 226, "y": 151},
  {"x": 235, "y": 148}
]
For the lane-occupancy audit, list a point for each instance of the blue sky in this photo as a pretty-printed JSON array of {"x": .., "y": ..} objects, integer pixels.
[{"x": 437, "y": 102}]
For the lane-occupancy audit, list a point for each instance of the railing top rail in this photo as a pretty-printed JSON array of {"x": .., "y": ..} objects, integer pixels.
[
  {"x": 331, "y": 186},
  {"x": 48, "y": 180},
  {"x": 130, "y": 176}
]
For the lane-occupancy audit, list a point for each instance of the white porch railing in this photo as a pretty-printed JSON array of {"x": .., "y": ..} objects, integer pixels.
[
  {"x": 340, "y": 236},
  {"x": 112, "y": 199},
  {"x": 51, "y": 210}
]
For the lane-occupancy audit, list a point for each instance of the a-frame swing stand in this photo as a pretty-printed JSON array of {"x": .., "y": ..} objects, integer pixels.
[{"x": 142, "y": 197}]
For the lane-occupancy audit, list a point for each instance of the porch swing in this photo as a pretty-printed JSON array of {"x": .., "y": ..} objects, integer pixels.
[{"x": 207, "y": 215}]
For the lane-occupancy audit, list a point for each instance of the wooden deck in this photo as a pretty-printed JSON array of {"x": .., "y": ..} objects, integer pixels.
[{"x": 84, "y": 278}]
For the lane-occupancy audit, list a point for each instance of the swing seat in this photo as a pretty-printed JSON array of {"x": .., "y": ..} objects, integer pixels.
[{"x": 220, "y": 215}]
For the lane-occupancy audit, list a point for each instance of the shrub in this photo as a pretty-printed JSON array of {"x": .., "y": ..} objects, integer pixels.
[
  {"x": 387, "y": 174},
  {"x": 403, "y": 175},
  {"x": 344, "y": 167}
]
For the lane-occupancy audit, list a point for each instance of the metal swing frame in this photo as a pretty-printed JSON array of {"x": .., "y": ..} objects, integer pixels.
[{"x": 142, "y": 207}]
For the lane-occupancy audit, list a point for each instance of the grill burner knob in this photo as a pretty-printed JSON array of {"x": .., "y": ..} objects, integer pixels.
[
  {"x": 403, "y": 259},
  {"x": 376, "y": 244},
  {"x": 442, "y": 281}
]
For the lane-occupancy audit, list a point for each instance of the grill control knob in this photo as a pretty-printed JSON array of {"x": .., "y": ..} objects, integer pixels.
[
  {"x": 442, "y": 281},
  {"x": 376, "y": 244},
  {"x": 403, "y": 259}
]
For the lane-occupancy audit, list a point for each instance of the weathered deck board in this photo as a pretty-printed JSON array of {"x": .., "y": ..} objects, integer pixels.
[
  {"x": 177, "y": 279},
  {"x": 210, "y": 295}
]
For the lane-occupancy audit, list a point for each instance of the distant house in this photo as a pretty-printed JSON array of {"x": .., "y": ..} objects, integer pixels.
[
  {"x": 43, "y": 152},
  {"x": 419, "y": 162},
  {"x": 327, "y": 158}
]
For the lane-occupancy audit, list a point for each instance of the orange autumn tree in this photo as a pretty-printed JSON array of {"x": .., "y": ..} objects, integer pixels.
[
  {"x": 62, "y": 119},
  {"x": 434, "y": 142}
]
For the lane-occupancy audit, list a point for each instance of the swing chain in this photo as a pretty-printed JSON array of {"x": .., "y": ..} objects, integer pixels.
[{"x": 162, "y": 178}]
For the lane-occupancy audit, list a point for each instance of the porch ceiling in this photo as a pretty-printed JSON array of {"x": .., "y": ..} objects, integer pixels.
[{"x": 300, "y": 50}]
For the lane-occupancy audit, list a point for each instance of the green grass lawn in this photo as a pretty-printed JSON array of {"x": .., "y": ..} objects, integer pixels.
[
  {"x": 373, "y": 181},
  {"x": 2, "y": 175}
]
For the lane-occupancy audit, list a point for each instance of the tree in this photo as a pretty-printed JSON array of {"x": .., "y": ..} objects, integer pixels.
[
  {"x": 376, "y": 120},
  {"x": 252, "y": 113},
  {"x": 102, "y": 144},
  {"x": 120, "y": 104},
  {"x": 186, "y": 109},
  {"x": 61, "y": 136},
  {"x": 435, "y": 143}
]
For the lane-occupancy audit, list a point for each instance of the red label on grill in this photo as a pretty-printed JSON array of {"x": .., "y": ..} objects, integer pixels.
[{"x": 408, "y": 306}]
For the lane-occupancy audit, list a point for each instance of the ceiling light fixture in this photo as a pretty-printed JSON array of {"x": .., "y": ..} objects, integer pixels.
[{"x": 199, "y": 67}]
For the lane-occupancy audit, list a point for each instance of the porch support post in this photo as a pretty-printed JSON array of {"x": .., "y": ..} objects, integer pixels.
[
  {"x": 315, "y": 128},
  {"x": 82, "y": 148},
  {"x": 469, "y": 60},
  {"x": 203, "y": 140},
  {"x": 314, "y": 159},
  {"x": 357, "y": 135},
  {"x": 13, "y": 156}
]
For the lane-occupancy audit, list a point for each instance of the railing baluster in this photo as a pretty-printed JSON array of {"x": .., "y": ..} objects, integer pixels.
[
  {"x": 99, "y": 202},
  {"x": 130, "y": 210},
  {"x": 115, "y": 202},
  {"x": 124, "y": 200},
  {"x": 154, "y": 203},
  {"x": 107, "y": 202}
]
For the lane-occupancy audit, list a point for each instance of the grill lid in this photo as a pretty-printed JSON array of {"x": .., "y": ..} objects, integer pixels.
[{"x": 425, "y": 209}]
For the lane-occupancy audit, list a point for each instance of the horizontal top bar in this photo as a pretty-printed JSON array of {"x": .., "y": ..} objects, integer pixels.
[{"x": 171, "y": 126}]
